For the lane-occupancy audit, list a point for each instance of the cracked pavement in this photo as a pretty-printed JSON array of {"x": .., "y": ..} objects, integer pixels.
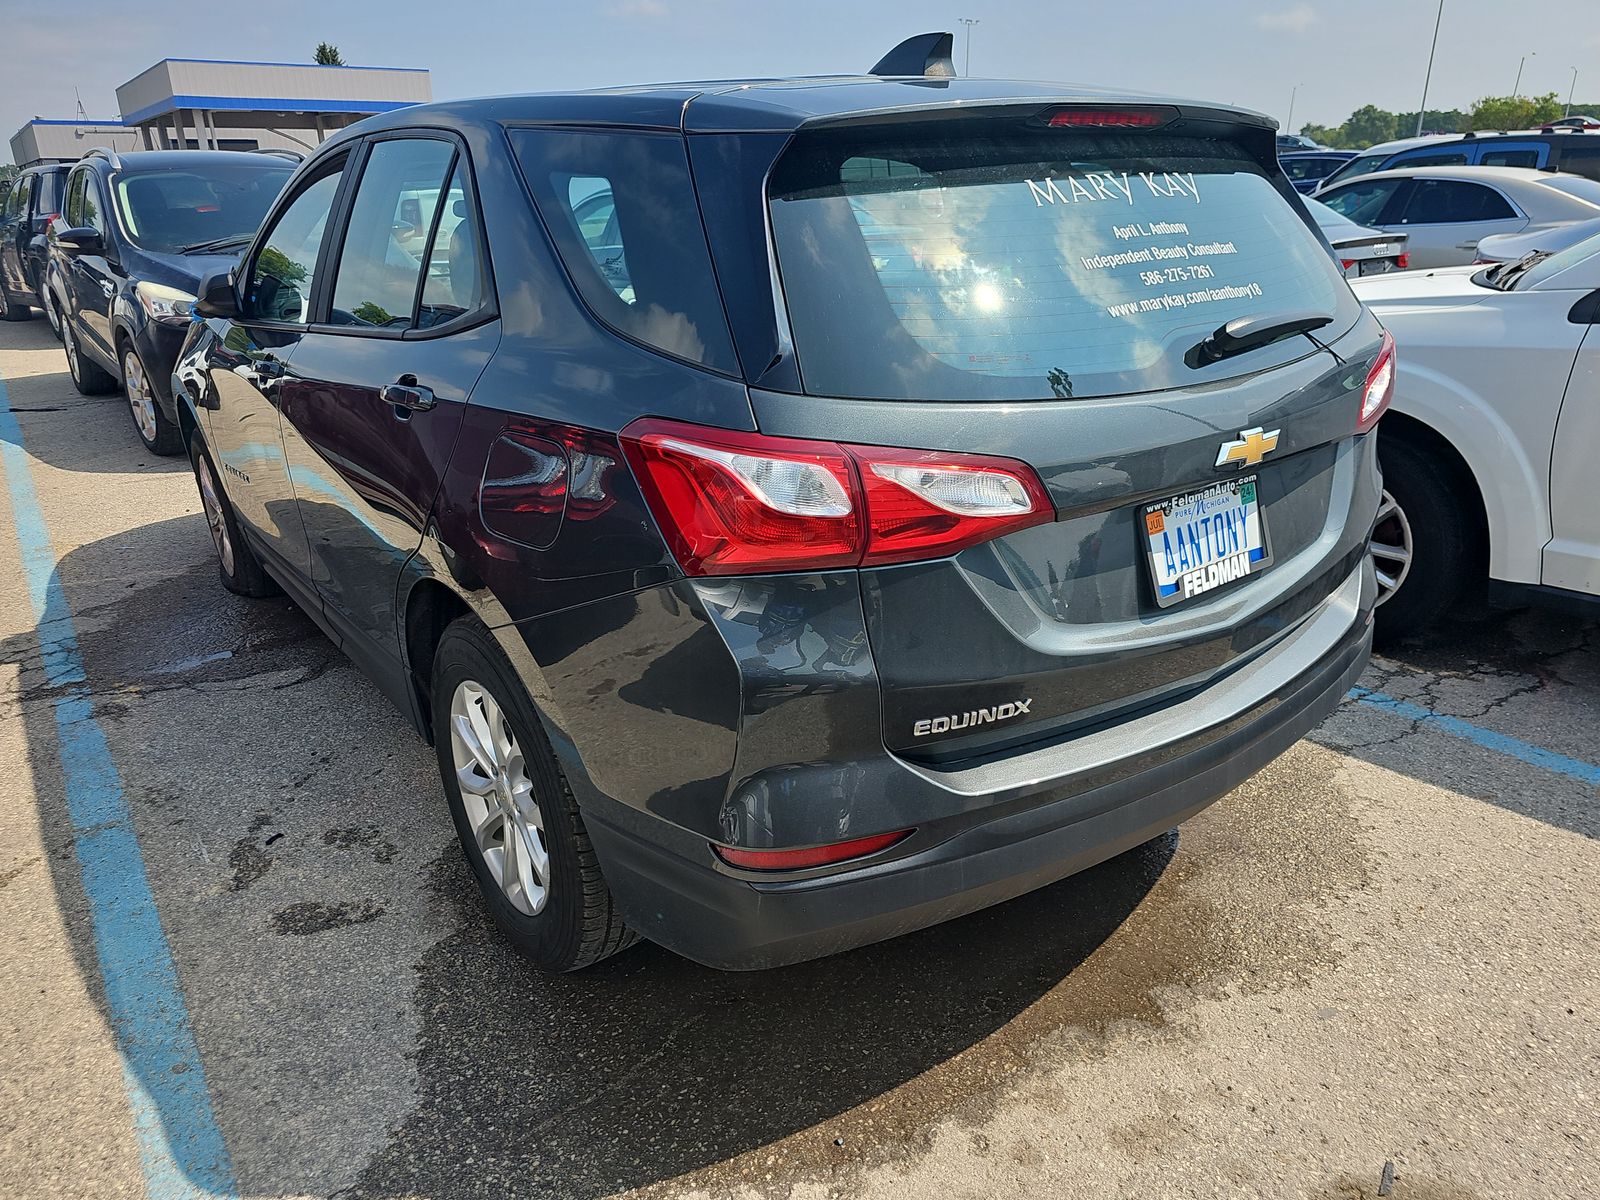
[{"x": 1382, "y": 953}]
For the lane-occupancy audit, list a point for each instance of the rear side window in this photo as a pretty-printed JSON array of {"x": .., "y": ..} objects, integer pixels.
[
  {"x": 1581, "y": 159},
  {"x": 1448, "y": 202},
  {"x": 1509, "y": 156},
  {"x": 621, "y": 210},
  {"x": 1431, "y": 158},
  {"x": 386, "y": 238},
  {"x": 979, "y": 258}
]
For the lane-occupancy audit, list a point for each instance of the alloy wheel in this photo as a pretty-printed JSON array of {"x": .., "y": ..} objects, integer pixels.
[
  {"x": 1391, "y": 547},
  {"x": 497, "y": 795},
  {"x": 141, "y": 398},
  {"x": 215, "y": 518}
]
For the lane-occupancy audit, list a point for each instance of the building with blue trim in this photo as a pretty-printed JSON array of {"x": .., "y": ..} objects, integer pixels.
[{"x": 212, "y": 104}]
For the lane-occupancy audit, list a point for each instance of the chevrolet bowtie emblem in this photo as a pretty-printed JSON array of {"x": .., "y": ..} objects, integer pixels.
[{"x": 1249, "y": 448}]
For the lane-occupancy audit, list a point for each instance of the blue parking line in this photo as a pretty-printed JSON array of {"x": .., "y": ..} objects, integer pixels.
[
  {"x": 180, "y": 1146},
  {"x": 1500, "y": 743}
]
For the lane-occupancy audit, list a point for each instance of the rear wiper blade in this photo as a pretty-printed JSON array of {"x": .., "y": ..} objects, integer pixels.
[
  {"x": 237, "y": 239},
  {"x": 1243, "y": 334}
]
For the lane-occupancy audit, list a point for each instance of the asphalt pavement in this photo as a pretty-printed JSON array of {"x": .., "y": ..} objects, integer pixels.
[{"x": 244, "y": 958}]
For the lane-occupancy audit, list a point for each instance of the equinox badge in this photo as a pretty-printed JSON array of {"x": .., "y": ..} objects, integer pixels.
[
  {"x": 1249, "y": 448},
  {"x": 971, "y": 718}
]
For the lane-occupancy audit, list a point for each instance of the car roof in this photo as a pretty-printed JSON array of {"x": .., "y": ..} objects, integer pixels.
[
  {"x": 1409, "y": 143},
  {"x": 166, "y": 159},
  {"x": 1458, "y": 171},
  {"x": 743, "y": 105}
]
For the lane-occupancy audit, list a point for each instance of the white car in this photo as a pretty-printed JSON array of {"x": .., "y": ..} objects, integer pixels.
[
  {"x": 1490, "y": 449},
  {"x": 1508, "y": 247},
  {"x": 1445, "y": 211}
]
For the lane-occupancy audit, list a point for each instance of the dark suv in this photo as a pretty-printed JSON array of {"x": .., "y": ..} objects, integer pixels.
[
  {"x": 803, "y": 511},
  {"x": 136, "y": 234},
  {"x": 25, "y": 216}
]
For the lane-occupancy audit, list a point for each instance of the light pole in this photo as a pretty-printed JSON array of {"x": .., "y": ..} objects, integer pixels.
[
  {"x": 1571, "y": 92},
  {"x": 1288, "y": 126},
  {"x": 1517, "y": 86},
  {"x": 969, "y": 22},
  {"x": 1428, "y": 78}
]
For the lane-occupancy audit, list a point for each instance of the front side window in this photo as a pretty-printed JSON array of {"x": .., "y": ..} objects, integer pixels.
[
  {"x": 986, "y": 258},
  {"x": 182, "y": 211},
  {"x": 74, "y": 211},
  {"x": 1450, "y": 202},
  {"x": 386, "y": 239},
  {"x": 47, "y": 192},
  {"x": 17, "y": 202},
  {"x": 94, "y": 213},
  {"x": 621, "y": 210},
  {"x": 283, "y": 270}
]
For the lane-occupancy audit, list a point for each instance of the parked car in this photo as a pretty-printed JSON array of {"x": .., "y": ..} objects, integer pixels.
[
  {"x": 1446, "y": 211},
  {"x": 766, "y": 598},
  {"x": 1306, "y": 169},
  {"x": 25, "y": 217},
  {"x": 1288, "y": 142},
  {"x": 137, "y": 233},
  {"x": 1488, "y": 452},
  {"x": 1576, "y": 121},
  {"x": 1509, "y": 247},
  {"x": 1359, "y": 249},
  {"x": 1571, "y": 151}
]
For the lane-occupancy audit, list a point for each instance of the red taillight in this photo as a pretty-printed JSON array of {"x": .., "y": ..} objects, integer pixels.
[
  {"x": 1378, "y": 389},
  {"x": 741, "y": 503},
  {"x": 1347, "y": 263},
  {"x": 1403, "y": 261},
  {"x": 811, "y": 856},
  {"x": 1108, "y": 118}
]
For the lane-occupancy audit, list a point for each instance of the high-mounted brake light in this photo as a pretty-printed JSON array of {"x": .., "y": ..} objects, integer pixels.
[
  {"x": 811, "y": 856},
  {"x": 734, "y": 503},
  {"x": 1378, "y": 390},
  {"x": 1107, "y": 118}
]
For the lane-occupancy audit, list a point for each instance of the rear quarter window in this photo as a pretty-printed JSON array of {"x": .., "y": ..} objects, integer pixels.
[
  {"x": 621, "y": 210},
  {"x": 979, "y": 259}
]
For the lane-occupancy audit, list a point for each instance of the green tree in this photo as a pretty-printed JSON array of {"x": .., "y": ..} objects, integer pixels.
[
  {"x": 328, "y": 55},
  {"x": 8, "y": 174},
  {"x": 1368, "y": 126},
  {"x": 1512, "y": 112}
]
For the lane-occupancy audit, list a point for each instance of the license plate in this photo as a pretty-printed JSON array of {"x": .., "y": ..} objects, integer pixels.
[
  {"x": 1203, "y": 540},
  {"x": 1375, "y": 266}
]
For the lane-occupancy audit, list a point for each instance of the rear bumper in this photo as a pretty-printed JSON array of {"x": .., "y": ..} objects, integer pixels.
[{"x": 1034, "y": 818}]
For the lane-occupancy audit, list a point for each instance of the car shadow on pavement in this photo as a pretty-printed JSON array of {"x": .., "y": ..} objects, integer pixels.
[
  {"x": 41, "y": 399},
  {"x": 648, "y": 1066},
  {"x": 634, "y": 1072}
]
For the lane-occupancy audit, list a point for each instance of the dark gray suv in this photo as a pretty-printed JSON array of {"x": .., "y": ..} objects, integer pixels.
[{"x": 803, "y": 511}]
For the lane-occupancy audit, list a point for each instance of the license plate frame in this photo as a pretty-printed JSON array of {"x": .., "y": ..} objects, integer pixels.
[{"x": 1193, "y": 512}]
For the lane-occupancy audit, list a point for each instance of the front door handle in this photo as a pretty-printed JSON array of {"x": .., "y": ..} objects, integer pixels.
[{"x": 407, "y": 396}]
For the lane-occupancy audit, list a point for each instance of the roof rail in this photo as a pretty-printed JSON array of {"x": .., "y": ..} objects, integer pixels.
[
  {"x": 107, "y": 153},
  {"x": 280, "y": 152},
  {"x": 926, "y": 54}
]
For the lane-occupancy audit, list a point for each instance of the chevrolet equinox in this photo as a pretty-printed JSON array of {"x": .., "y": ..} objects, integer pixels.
[{"x": 802, "y": 511}]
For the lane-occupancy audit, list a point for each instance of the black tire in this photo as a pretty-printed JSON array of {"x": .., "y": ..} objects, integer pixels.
[
  {"x": 1444, "y": 558},
  {"x": 579, "y": 923},
  {"x": 163, "y": 436},
  {"x": 237, "y": 565},
  {"x": 87, "y": 376},
  {"x": 13, "y": 310},
  {"x": 52, "y": 312}
]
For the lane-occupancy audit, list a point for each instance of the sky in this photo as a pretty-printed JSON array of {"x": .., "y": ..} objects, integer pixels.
[{"x": 1339, "y": 55}]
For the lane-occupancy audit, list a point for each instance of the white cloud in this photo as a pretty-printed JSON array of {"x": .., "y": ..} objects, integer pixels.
[{"x": 1296, "y": 19}]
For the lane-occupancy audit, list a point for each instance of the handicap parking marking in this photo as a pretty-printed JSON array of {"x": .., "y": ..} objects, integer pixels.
[
  {"x": 181, "y": 1149},
  {"x": 1500, "y": 743}
]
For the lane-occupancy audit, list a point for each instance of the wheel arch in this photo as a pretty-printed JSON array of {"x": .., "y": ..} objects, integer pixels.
[
  {"x": 1414, "y": 432},
  {"x": 430, "y": 606}
]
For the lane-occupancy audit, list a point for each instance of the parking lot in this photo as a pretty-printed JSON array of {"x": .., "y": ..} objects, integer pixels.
[{"x": 1372, "y": 969}]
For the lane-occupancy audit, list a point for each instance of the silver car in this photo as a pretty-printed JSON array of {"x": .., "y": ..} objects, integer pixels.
[
  {"x": 1513, "y": 247},
  {"x": 1446, "y": 211},
  {"x": 1360, "y": 250}
]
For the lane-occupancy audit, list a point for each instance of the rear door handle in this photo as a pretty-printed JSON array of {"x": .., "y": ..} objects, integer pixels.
[{"x": 407, "y": 396}]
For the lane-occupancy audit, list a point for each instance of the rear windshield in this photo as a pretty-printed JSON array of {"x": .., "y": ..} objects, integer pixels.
[
  {"x": 990, "y": 261},
  {"x": 169, "y": 211}
]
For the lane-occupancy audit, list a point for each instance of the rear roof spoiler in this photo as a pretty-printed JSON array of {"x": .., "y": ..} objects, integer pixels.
[{"x": 926, "y": 54}]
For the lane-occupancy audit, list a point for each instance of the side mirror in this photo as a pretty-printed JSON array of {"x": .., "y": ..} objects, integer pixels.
[
  {"x": 81, "y": 239},
  {"x": 217, "y": 297}
]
